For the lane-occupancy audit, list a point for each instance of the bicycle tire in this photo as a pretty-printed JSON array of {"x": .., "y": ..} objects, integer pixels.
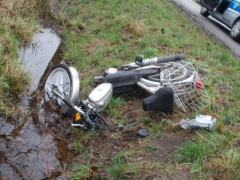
[
  {"x": 172, "y": 71},
  {"x": 61, "y": 77}
]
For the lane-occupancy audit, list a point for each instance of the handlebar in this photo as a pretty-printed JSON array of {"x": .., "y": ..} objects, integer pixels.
[
  {"x": 140, "y": 61},
  {"x": 165, "y": 59}
]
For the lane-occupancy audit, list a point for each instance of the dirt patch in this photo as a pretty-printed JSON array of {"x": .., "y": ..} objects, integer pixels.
[
  {"x": 52, "y": 133},
  {"x": 105, "y": 144},
  {"x": 166, "y": 145}
]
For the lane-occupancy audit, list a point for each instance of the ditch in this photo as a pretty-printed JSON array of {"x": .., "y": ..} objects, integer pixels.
[{"x": 31, "y": 147}]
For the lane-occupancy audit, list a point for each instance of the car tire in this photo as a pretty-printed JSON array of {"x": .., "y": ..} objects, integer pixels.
[
  {"x": 204, "y": 12},
  {"x": 235, "y": 31}
]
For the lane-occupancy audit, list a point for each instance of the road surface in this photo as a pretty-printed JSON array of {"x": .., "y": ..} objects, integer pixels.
[{"x": 210, "y": 25}]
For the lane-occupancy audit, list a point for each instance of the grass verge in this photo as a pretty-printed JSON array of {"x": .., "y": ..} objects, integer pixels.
[
  {"x": 17, "y": 26},
  {"x": 104, "y": 34},
  {"x": 20, "y": 20}
]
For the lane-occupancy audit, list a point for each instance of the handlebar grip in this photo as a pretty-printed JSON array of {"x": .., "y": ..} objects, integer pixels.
[
  {"x": 165, "y": 59},
  {"x": 176, "y": 57}
]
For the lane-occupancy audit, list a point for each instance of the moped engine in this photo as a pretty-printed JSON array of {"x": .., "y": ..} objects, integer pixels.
[{"x": 99, "y": 97}]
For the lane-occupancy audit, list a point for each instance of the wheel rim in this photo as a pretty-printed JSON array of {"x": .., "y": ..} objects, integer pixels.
[
  {"x": 235, "y": 29},
  {"x": 175, "y": 72},
  {"x": 60, "y": 78},
  {"x": 172, "y": 71}
]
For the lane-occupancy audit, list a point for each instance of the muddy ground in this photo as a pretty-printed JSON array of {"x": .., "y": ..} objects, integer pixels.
[
  {"x": 39, "y": 143},
  {"x": 158, "y": 148}
]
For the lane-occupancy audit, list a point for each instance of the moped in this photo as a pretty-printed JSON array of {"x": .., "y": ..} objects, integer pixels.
[{"x": 168, "y": 79}]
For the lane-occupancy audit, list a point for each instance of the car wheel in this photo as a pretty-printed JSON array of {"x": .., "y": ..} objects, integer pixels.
[
  {"x": 235, "y": 31},
  {"x": 204, "y": 12}
]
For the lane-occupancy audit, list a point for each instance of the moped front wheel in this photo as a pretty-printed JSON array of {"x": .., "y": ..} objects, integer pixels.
[{"x": 66, "y": 80}]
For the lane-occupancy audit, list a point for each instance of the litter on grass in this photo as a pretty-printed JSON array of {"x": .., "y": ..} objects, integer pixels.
[{"x": 201, "y": 121}]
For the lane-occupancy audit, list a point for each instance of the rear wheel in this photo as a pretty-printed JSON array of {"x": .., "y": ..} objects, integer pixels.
[
  {"x": 204, "y": 12},
  {"x": 235, "y": 31},
  {"x": 171, "y": 71}
]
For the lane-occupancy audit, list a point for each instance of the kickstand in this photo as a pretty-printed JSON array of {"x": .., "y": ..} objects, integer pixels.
[{"x": 120, "y": 126}]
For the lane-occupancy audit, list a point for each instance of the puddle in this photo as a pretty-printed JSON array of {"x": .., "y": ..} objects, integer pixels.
[
  {"x": 31, "y": 147},
  {"x": 39, "y": 53}
]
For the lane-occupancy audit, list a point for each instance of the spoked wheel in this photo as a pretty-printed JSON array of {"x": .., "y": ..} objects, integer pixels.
[
  {"x": 172, "y": 71},
  {"x": 61, "y": 77}
]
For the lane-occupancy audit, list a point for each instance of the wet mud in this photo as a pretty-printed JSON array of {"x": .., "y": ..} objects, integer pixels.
[{"x": 29, "y": 155}]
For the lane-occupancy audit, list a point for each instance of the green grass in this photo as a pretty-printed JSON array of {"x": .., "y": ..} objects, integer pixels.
[
  {"x": 20, "y": 20},
  {"x": 83, "y": 170},
  {"x": 113, "y": 108},
  {"x": 213, "y": 150},
  {"x": 17, "y": 26},
  {"x": 79, "y": 147},
  {"x": 122, "y": 167},
  {"x": 193, "y": 151},
  {"x": 110, "y": 33}
]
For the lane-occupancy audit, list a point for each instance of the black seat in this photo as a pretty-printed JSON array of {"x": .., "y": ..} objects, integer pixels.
[{"x": 162, "y": 100}]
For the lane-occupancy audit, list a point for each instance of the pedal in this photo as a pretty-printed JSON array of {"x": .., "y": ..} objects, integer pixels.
[{"x": 162, "y": 100}]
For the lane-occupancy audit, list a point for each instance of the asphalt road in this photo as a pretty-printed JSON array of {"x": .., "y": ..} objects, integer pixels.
[{"x": 210, "y": 25}]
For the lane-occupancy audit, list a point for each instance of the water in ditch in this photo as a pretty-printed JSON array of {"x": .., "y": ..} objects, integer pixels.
[{"x": 34, "y": 143}]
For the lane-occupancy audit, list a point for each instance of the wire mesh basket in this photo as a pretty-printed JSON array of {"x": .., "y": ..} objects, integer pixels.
[{"x": 189, "y": 93}]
